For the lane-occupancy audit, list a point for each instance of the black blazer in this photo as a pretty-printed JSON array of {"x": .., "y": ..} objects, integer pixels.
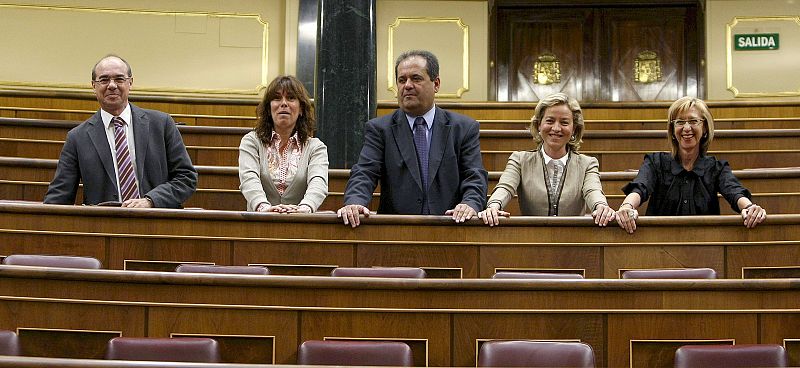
[
  {"x": 163, "y": 169},
  {"x": 455, "y": 170}
]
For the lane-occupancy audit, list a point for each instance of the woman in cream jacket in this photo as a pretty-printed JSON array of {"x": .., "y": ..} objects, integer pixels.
[
  {"x": 554, "y": 179},
  {"x": 282, "y": 168}
]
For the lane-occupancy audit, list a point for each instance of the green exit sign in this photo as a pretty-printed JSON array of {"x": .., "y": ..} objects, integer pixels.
[{"x": 756, "y": 41}]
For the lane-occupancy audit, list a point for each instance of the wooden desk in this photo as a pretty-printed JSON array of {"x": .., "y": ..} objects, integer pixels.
[
  {"x": 115, "y": 235},
  {"x": 638, "y": 322}
]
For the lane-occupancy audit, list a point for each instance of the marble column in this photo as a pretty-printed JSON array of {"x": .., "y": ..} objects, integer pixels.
[
  {"x": 307, "y": 43},
  {"x": 345, "y": 84}
]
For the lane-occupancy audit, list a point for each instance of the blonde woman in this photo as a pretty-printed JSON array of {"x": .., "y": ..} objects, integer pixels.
[
  {"x": 554, "y": 179},
  {"x": 686, "y": 181}
]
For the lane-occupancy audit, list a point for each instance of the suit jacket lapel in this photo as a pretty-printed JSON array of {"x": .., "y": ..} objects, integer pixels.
[
  {"x": 97, "y": 134},
  {"x": 405, "y": 144},
  {"x": 440, "y": 134},
  {"x": 141, "y": 132}
]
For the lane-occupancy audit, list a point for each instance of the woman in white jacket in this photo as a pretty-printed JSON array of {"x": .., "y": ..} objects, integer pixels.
[{"x": 282, "y": 167}]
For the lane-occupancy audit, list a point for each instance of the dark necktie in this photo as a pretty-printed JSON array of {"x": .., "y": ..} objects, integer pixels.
[
  {"x": 127, "y": 179},
  {"x": 421, "y": 142}
]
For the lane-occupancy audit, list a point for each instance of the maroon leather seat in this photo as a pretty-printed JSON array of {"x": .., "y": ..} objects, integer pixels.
[
  {"x": 9, "y": 344},
  {"x": 397, "y": 272},
  {"x": 364, "y": 353},
  {"x": 520, "y": 353},
  {"x": 240, "y": 270},
  {"x": 712, "y": 356},
  {"x": 535, "y": 275},
  {"x": 184, "y": 349},
  {"x": 677, "y": 273},
  {"x": 52, "y": 261}
]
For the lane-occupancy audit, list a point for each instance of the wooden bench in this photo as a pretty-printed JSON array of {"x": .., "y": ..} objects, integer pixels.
[
  {"x": 27, "y": 179},
  {"x": 241, "y": 111},
  {"x": 617, "y": 150}
]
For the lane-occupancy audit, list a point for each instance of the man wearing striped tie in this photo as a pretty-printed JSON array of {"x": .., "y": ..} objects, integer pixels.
[{"x": 123, "y": 153}]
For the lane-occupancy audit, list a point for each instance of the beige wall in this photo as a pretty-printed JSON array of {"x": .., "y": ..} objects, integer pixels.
[
  {"x": 456, "y": 31},
  {"x": 220, "y": 45},
  {"x": 771, "y": 74},
  {"x": 197, "y": 47}
]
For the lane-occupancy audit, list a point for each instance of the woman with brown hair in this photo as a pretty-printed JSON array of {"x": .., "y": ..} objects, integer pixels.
[{"x": 282, "y": 167}]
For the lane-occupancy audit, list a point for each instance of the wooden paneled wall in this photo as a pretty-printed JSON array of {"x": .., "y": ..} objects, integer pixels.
[{"x": 637, "y": 323}]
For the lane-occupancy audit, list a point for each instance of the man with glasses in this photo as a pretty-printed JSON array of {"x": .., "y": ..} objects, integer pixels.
[{"x": 123, "y": 153}]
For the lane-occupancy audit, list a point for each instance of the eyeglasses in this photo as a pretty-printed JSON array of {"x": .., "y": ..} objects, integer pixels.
[
  {"x": 693, "y": 122},
  {"x": 104, "y": 81}
]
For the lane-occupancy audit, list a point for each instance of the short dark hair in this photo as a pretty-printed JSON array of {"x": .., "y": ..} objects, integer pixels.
[
  {"x": 94, "y": 68},
  {"x": 431, "y": 62},
  {"x": 306, "y": 122}
]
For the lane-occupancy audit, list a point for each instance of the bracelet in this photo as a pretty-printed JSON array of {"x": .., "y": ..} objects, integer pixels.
[
  {"x": 628, "y": 203},
  {"x": 748, "y": 206}
]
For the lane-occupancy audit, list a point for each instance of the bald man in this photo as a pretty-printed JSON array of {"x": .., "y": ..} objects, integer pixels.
[{"x": 123, "y": 153}]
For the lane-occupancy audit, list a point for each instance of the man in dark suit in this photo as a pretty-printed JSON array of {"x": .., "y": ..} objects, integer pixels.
[
  {"x": 428, "y": 160},
  {"x": 121, "y": 143}
]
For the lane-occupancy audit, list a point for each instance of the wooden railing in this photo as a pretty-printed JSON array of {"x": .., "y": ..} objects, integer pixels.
[{"x": 468, "y": 250}]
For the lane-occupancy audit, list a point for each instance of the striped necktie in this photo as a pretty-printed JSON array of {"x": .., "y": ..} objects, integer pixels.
[
  {"x": 127, "y": 178},
  {"x": 421, "y": 143}
]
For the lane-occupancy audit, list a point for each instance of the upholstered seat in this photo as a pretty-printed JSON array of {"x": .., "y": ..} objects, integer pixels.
[
  {"x": 52, "y": 261},
  {"x": 535, "y": 275},
  {"x": 398, "y": 272},
  {"x": 358, "y": 352},
  {"x": 672, "y": 273},
  {"x": 241, "y": 270},
  {"x": 184, "y": 349},
  {"x": 9, "y": 344},
  {"x": 520, "y": 353},
  {"x": 712, "y": 356}
]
